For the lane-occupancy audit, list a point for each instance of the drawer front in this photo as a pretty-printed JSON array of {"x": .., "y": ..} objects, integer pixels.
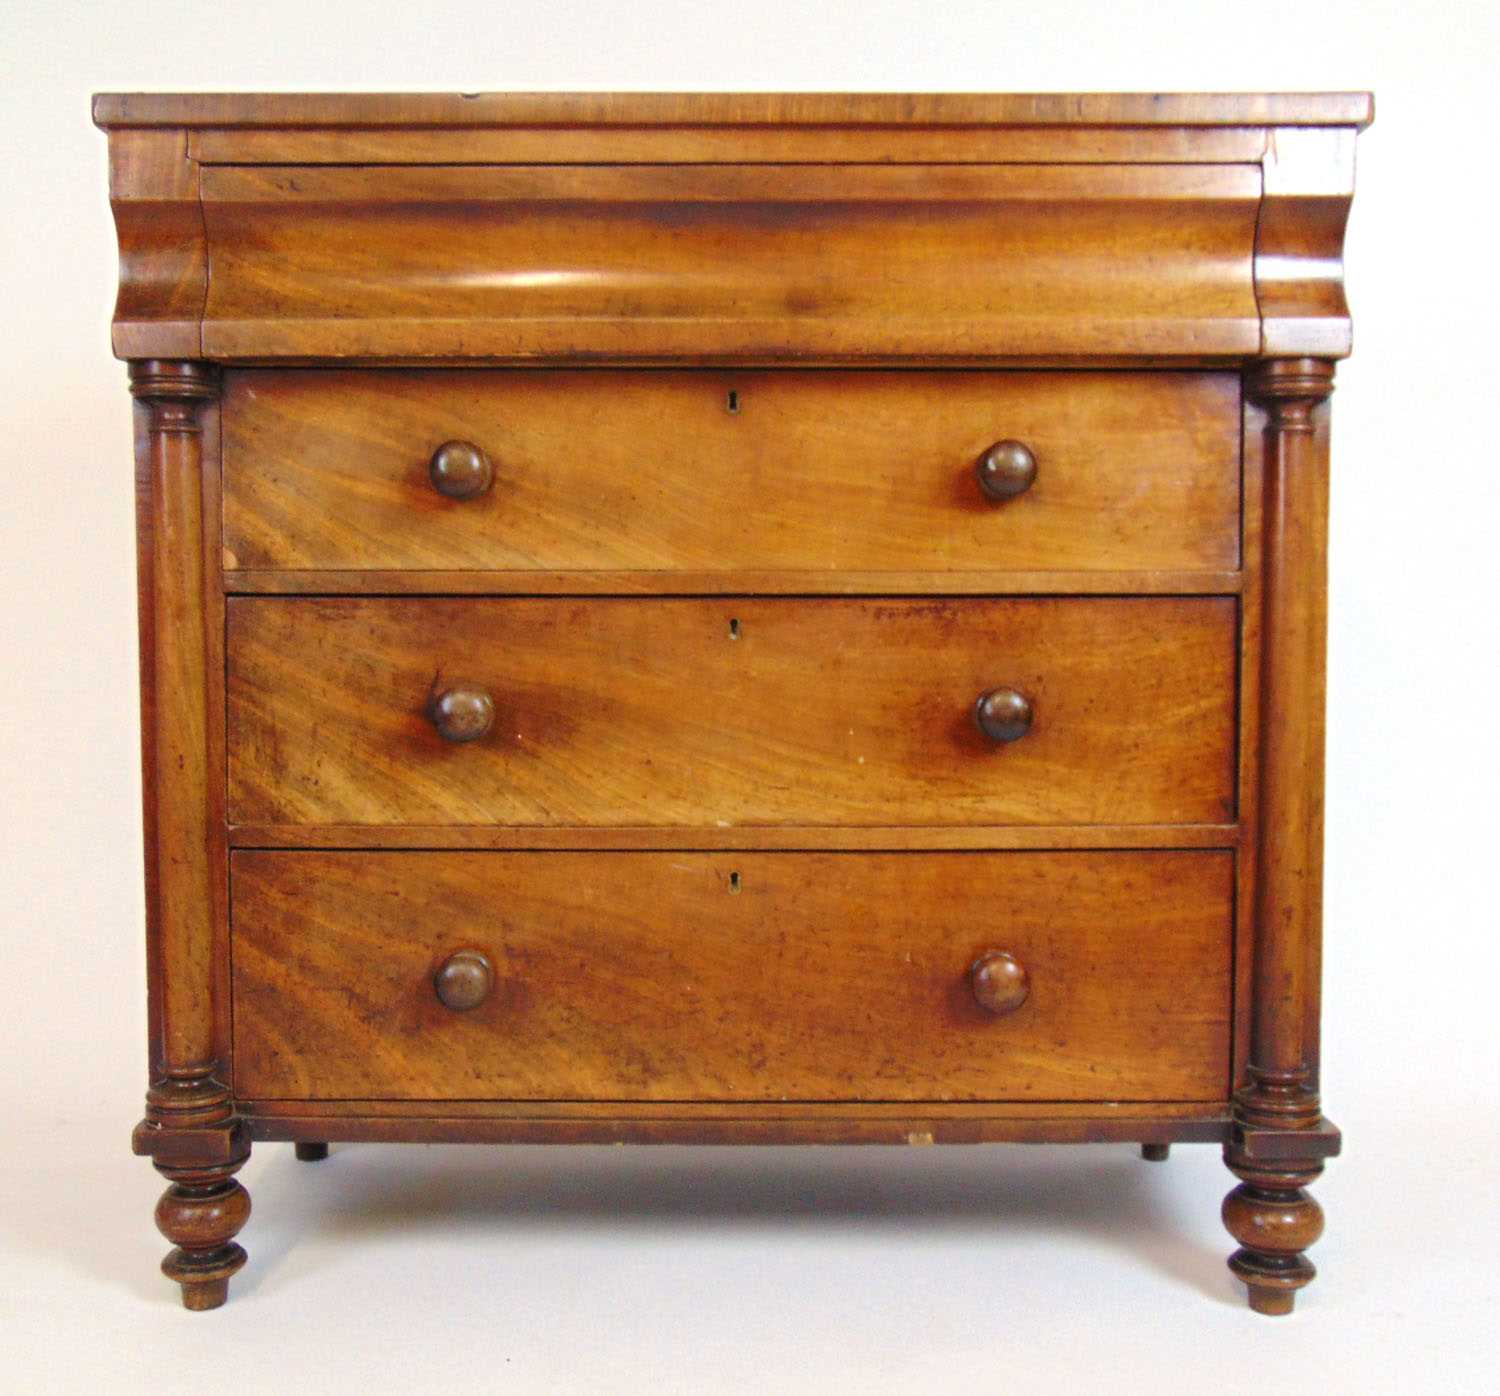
[
  {"x": 653, "y": 471},
  {"x": 629, "y": 712},
  {"x": 781, "y": 976},
  {"x": 698, "y": 262}
]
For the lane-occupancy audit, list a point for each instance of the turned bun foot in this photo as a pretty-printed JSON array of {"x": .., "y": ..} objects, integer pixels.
[
  {"x": 1274, "y": 1221},
  {"x": 1155, "y": 1153},
  {"x": 200, "y": 1214},
  {"x": 312, "y": 1153}
]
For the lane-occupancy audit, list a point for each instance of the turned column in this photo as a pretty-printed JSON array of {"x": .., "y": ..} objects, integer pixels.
[
  {"x": 189, "y": 1130},
  {"x": 1280, "y": 1137}
]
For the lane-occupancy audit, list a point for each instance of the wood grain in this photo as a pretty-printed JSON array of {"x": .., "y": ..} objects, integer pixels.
[
  {"x": 652, "y": 472},
  {"x": 846, "y": 263},
  {"x": 175, "y": 702},
  {"x": 656, "y": 145},
  {"x": 189, "y": 1130},
  {"x": 723, "y": 842},
  {"x": 783, "y": 837},
  {"x": 1299, "y": 243},
  {"x": 154, "y": 195},
  {"x": 627, "y": 712},
  {"x": 512, "y": 1122},
  {"x": 1138, "y": 1114},
  {"x": 747, "y": 582},
  {"x": 1289, "y": 852},
  {"x": 686, "y": 976},
  {"x": 836, "y": 109},
  {"x": 1270, "y": 1214}
]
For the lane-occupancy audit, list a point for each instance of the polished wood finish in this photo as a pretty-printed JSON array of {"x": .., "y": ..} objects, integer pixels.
[
  {"x": 201, "y": 1213},
  {"x": 625, "y": 838},
  {"x": 1000, "y": 982},
  {"x": 461, "y": 712},
  {"x": 573, "y": 534},
  {"x": 296, "y": 110},
  {"x": 154, "y": 195},
  {"x": 464, "y": 980},
  {"x": 1269, "y": 1213},
  {"x": 1299, "y": 240},
  {"x": 775, "y": 976},
  {"x": 460, "y": 470},
  {"x": 371, "y": 179},
  {"x": 651, "y": 472},
  {"x": 740, "y": 1122},
  {"x": 708, "y": 144},
  {"x": 646, "y": 278},
  {"x": 1006, "y": 470},
  {"x": 178, "y": 793},
  {"x": 190, "y": 1129},
  {"x": 1003, "y": 714},
  {"x": 835, "y": 712},
  {"x": 738, "y": 583}
]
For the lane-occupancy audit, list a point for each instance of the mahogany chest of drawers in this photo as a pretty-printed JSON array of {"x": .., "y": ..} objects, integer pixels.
[{"x": 733, "y": 619}]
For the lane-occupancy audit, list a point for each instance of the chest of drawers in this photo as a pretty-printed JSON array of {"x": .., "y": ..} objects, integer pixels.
[{"x": 733, "y": 619}]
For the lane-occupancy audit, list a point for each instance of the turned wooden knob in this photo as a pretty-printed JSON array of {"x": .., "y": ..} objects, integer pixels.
[
  {"x": 464, "y": 980},
  {"x": 1006, "y": 469},
  {"x": 1003, "y": 714},
  {"x": 460, "y": 470},
  {"x": 1000, "y": 982},
  {"x": 462, "y": 712}
]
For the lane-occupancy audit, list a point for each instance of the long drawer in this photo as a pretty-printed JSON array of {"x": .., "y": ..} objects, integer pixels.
[
  {"x": 676, "y": 712},
  {"x": 782, "y": 976},
  {"x": 717, "y": 472}
]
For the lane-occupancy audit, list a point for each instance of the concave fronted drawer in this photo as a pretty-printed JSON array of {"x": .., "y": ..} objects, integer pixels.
[
  {"x": 784, "y": 976},
  {"x": 665, "y": 471},
  {"x": 677, "y": 712}
]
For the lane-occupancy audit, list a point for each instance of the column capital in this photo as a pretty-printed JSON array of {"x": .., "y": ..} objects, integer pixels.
[{"x": 1289, "y": 388}]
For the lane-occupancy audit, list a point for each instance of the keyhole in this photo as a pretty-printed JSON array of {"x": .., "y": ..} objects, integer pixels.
[
  {"x": 733, "y": 401},
  {"x": 734, "y": 884},
  {"x": 734, "y": 630}
]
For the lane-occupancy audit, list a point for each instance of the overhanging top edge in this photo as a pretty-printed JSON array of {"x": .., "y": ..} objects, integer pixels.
[{"x": 113, "y": 111}]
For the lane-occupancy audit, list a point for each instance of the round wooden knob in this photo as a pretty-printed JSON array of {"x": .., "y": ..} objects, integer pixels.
[
  {"x": 1000, "y": 982},
  {"x": 462, "y": 713},
  {"x": 464, "y": 980},
  {"x": 1003, "y": 714},
  {"x": 1006, "y": 469},
  {"x": 460, "y": 470}
]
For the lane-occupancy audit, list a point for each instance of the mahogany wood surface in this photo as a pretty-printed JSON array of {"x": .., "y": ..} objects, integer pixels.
[
  {"x": 768, "y": 977},
  {"x": 643, "y": 1124},
  {"x": 1270, "y": 1213},
  {"x": 739, "y": 1122},
  {"x": 291, "y": 110},
  {"x": 827, "y": 263},
  {"x": 701, "y": 713},
  {"x": 626, "y": 838},
  {"x": 154, "y": 193},
  {"x": 646, "y": 144},
  {"x": 820, "y": 472},
  {"x": 359, "y": 227},
  {"x": 722, "y": 618},
  {"x": 746, "y": 582},
  {"x": 1202, "y": 1116}
]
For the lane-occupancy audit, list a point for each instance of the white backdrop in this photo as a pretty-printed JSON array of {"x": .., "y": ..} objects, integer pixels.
[{"x": 830, "y": 1270}]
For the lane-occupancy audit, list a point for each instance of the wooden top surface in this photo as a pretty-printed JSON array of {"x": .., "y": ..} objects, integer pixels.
[{"x": 445, "y": 109}]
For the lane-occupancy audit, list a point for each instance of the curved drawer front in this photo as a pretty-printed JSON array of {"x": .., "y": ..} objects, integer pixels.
[
  {"x": 644, "y": 263},
  {"x": 675, "y": 712},
  {"x": 782, "y": 976},
  {"x": 717, "y": 472}
]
